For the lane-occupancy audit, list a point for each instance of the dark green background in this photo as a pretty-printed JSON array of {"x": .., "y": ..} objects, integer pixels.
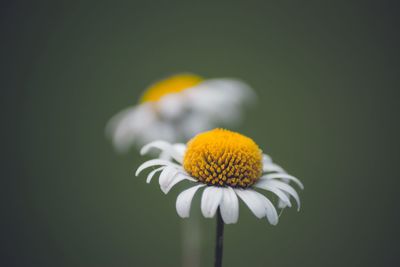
[{"x": 327, "y": 77}]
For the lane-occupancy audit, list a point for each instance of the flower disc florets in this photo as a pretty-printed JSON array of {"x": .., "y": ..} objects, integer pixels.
[{"x": 223, "y": 158}]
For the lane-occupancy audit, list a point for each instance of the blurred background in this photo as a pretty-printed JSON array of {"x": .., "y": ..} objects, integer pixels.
[{"x": 327, "y": 80}]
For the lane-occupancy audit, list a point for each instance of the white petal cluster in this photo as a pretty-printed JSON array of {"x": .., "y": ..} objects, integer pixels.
[{"x": 274, "y": 180}]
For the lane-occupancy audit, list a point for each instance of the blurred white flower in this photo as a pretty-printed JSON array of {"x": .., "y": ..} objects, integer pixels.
[
  {"x": 177, "y": 108},
  {"x": 228, "y": 165}
]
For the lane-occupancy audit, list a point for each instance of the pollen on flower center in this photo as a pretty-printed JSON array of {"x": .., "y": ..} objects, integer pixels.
[
  {"x": 221, "y": 157},
  {"x": 172, "y": 84}
]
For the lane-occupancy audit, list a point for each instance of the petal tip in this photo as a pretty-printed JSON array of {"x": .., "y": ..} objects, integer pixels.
[
  {"x": 144, "y": 150},
  {"x": 137, "y": 172},
  {"x": 164, "y": 190}
]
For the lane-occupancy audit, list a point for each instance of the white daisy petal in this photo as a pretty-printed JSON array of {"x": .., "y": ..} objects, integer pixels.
[
  {"x": 187, "y": 176},
  {"x": 281, "y": 195},
  {"x": 259, "y": 204},
  {"x": 151, "y": 163},
  {"x": 166, "y": 177},
  {"x": 180, "y": 149},
  {"x": 283, "y": 176},
  {"x": 210, "y": 200},
  {"x": 284, "y": 187},
  {"x": 272, "y": 167},
  {"x": 272, "y": 215},
  {"x": 250, "y": 198},
  {"x": 266, "y": 159},
  {"x": 164, "y": 155},
  {"x": 164, "y": 147},
  {"x": 269, "y": 166},
  {"x": 229, "y": 206},
  {"x": 184, "y": 201},
  {"x": 161, "y": 145},
  {"x": 152, "y": 173},
  {"x": 282, "y": 204},
  {"x": 176, "y": 179}
]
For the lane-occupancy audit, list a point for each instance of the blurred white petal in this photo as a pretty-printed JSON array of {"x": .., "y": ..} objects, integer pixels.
[{"x": 171, "y": 106}]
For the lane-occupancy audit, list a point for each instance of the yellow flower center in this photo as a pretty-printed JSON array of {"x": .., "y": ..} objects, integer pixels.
[
  {"x": 172, "y": 84},
  {"x": 223, "y": 158}
]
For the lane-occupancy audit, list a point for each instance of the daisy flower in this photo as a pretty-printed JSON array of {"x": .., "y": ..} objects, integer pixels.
[
  {"x": 228, "y": 166},
  {"x": 177, "y": 108}
]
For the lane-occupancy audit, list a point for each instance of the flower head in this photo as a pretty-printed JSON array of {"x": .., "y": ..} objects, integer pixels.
[
  {"x": 177, "y": 108},
  {"x": 227, "y": 165}
]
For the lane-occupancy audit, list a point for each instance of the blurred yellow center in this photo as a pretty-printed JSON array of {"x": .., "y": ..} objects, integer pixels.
[
  {"x": 172, "y": 84},
  {"x": 223, "y": 158}
]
